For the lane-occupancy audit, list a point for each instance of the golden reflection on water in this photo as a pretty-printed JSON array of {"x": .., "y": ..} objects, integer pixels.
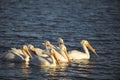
[
  {"x": 50, "y": 73},
  {"x": 53, "y": 69},
  {"x": 82, "y": 61},
  {"x": 77, "y": 68},
  {"x": 25, "y": 69},
  {"x": 82, "y": 68}
]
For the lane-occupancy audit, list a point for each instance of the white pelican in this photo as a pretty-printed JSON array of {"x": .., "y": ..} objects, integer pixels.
[
  {"x": 46, "y": 61},
  {"x": 75, "y": 54},
  {"x": 17, "y": 55},
  {"x": 62, "y": 51}
]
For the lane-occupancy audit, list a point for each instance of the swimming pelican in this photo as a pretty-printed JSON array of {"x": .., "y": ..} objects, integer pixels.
[
  {"x": 45, "y": 61},
  {"x": 17, "y": 55},
  {"x": 75, "y": 54},
  {"x": 62, "y": 51}
]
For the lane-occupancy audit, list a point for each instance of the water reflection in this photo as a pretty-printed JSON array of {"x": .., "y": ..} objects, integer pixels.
[
  {"x": 81, "y": 61},
  {"x": 14, "y": 70},
  {"x": 82, "y": 68},
  {"x": 50, "y": 73},
  {"x": 25, "y": 69},
  {"x": 50, "y": 69},
  {"x": 77, "y": 69}
]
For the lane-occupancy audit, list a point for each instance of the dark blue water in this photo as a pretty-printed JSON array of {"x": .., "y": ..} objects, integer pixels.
[{"x": 33, "y": 21}]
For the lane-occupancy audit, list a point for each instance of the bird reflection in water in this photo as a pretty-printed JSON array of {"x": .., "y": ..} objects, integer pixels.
[
  {"x": 25, "y": 69},
  {"x": 82, "y": 67}
]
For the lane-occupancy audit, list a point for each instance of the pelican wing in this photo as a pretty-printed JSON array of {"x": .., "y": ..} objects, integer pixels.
[
  {"x": 75, "y": 54},
  {"x": 39, "y": 61}
]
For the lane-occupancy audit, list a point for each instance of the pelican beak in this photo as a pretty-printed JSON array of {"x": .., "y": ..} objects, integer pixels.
[
  {"x": 57, "y": 60},
  {"x": 91, "y": 48},
  {"x": 28, "y": 53},
  {"x": 65, "y": 51}
]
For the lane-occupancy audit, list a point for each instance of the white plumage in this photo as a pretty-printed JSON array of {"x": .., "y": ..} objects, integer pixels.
[
  {"x": 17, "y": 55},
  {"x": 75, "y": 54},
  {"x": 50, "y": 61},
  {"x": 61, "y": 51}
]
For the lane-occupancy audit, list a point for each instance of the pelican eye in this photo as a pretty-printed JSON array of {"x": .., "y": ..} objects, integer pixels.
[
  {"x": 47, "y": 45},
  {"x": 61, "y": 43}
]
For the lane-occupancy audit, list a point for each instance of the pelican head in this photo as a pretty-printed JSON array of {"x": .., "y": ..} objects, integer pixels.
[
  {"x": 47, "y": 44},
  {"x": 87, "y": 44},
  {"x": 25, "y": 49},
  {"x": 60, "y": 40},
  {"x": 31, "y": 47}
]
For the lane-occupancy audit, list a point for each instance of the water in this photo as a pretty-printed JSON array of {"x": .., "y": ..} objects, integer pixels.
[{"x": 33, "y": 21}]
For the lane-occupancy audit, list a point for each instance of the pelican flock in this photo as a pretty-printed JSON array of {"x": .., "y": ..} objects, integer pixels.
[{"x": 51, "y": 56}]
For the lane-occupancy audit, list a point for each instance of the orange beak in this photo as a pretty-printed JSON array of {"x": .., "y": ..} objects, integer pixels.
[
  {"x": 65, "y": 51},
  {"x": 91, "y": 48},
  {"x": 28, "y": 53},
  {"x": 56, "y": 58}
]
